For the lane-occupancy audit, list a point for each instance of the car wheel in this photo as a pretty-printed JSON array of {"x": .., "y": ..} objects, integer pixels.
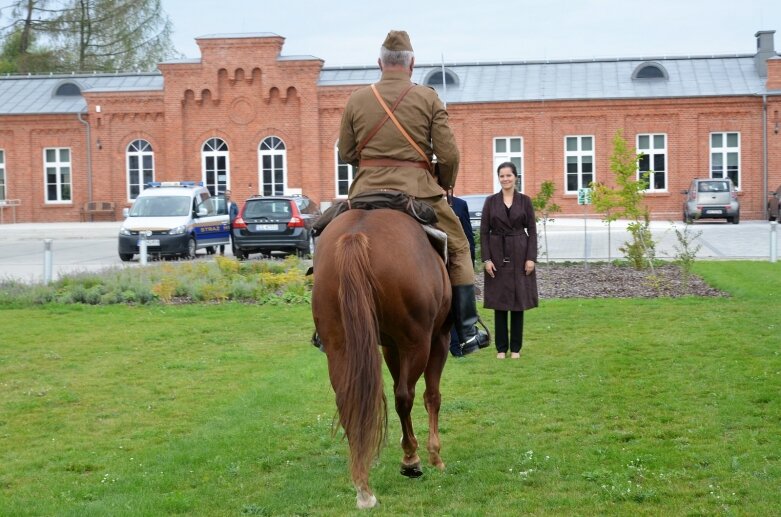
[
  {"x": 191, "y": 249},
  {"x": 309, "y": 250},
  {"x": 736, "y": 219},
  {"x": 239, "y": 254},
  {"x": 125, "y": 257}
]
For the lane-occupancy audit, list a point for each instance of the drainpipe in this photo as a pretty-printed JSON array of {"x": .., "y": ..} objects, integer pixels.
[
  {"x": 89, "y": 157},
  {"x": 764, "y": 156}
]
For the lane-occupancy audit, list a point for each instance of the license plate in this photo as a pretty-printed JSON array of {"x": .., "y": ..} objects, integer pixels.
[
  {"x": 150, "y": 242},
  {"x": 265, "y": 227},
  {"x": 713, "y": 211}
]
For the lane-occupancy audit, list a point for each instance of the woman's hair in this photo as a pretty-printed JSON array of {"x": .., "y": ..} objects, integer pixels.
[{"x": 507, "y": 165}]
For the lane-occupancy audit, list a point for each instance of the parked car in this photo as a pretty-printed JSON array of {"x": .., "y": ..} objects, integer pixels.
[
  {"x": 475, "y": 202},
  {"x": 176, "y": 218},
  {"x": 275, "y": 223},
  {"x": 774, "y": 205},
  {"x": 711, "y": 199}
]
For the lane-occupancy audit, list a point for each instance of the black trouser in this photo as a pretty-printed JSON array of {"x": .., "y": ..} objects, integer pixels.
[{"x": 516, "y": 330}]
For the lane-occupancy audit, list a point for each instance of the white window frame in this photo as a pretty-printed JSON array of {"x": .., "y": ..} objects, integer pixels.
[
  {"x": 579, "y": 153},
  {"x": 651, "y": 152},
  {"x": 3, "y": 193},
  {"x": 274, "y": 147},
  {"x": 59, "y": 164},
  {"x": 724, "y": 151},
  {"x": 348, "y": 169},
  {"x": 509, "y": 156},
  {"x": 214, "y": 149},
  {"x": 139, "y": 149}
]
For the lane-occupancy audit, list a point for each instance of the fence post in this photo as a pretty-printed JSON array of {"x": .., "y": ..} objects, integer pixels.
[
  {"x": 47, "y": 261},
  {"x": 773, "y": 241},
  {"x": 142, "y": 248}
]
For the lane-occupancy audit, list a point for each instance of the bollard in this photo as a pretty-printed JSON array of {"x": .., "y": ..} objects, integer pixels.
[
  {"x": 773, "y": 241},
  {"x": 47, "y": 261},
  {"x": 142, "y": 248}
]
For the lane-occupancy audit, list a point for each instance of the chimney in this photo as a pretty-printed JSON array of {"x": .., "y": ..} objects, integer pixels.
[{"x": 765, "y": 50}]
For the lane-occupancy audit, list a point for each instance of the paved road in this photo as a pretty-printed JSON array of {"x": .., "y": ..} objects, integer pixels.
[{"x": 79, "y": 247}]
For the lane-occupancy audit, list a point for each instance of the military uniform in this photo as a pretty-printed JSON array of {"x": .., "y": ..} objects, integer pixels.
[
  {"x": 423, "y": 116},
  {"x": 387, "y": 159}
]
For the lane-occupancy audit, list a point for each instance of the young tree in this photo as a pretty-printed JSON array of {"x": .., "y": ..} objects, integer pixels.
[
  {"x": 543, "y": 209},
  {"x": 641, "y": 251},
  {"x": 606, "y": 201}
]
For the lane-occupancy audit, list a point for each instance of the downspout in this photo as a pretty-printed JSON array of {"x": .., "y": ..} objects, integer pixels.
[
  {"x": 764, "y": 156},
  {"x": 89, "y": 157}
]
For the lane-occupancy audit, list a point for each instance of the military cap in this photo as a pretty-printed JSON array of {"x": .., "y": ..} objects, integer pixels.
[{"x": 397, "y": 40}]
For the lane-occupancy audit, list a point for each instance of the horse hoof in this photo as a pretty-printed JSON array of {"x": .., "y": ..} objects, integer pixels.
[
  {"x": 366, "y": 503},
  {"x": 411, "y": 471}
]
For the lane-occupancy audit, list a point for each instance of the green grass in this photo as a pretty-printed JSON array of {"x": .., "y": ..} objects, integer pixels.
[{"x": 617, "y": 407}]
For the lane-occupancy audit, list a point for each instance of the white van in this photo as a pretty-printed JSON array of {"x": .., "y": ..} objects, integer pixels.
[{"x": 177, "y": 218}]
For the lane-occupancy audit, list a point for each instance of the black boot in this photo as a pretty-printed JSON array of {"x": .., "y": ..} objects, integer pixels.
[{"x": 466, "y": 319}]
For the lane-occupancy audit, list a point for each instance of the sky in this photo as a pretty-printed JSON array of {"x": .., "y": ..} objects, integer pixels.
[{"x": 345, "y": 33}]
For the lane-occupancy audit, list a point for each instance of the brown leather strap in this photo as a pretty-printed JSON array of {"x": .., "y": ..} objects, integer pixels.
[
  {"x": 387, "y": 162},
  {"x": 382, "y": 122},
  {"x": 399, "y": 126}
]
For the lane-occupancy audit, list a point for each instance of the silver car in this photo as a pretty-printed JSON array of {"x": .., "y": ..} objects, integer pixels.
[{"x": 711, "y": 199}]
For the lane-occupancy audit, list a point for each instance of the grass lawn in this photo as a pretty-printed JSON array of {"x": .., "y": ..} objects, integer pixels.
[{"x": 617, "y": 407}]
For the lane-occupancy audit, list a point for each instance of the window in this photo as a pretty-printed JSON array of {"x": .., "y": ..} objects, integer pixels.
[
  {"x": 140, "y": 167},
  {"x": 215, "y": 163},
  {"x": 725, "y": 156},
  {"x": 653, "y": 160},
  {"x": 67, "y": 90},
  {"x": 345, "y": 174},
  {"x": 272, "y": 157},
  {"x": 509, "y": 149},
  {"x": 579, "y": 156},
  {"x": 435, "y": 78},
  {"x": 650, "y": 71},
  {"x": 2, "y": 175},
  {"x": 57, "y": 171}
]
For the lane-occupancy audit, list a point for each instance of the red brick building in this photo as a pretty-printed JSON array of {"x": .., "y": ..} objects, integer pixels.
[{"x": 246, "y": 116}]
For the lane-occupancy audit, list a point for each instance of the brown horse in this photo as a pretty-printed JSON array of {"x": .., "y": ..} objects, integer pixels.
[{"x": 378, "y": 282}]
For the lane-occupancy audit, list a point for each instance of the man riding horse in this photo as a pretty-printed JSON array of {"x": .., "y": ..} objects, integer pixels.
[{"x": 390, "y": 131}]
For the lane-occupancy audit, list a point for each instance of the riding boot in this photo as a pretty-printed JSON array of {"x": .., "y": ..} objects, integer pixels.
[{"x": 466, "y": 318}]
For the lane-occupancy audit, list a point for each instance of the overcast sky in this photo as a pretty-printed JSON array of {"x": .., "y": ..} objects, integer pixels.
[{"x": 345, "y": 32}]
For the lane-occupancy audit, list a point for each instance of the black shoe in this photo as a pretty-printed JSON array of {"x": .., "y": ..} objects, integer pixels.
[
  {"x": 466, "y": 320},
  {"x": 317, "y": 342}
]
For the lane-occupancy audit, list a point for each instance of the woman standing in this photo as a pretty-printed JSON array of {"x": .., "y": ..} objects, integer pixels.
[{"x": 508, "y": 237}]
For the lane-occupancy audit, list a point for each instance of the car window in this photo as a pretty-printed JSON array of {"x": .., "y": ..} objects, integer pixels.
[
  {"x": 161, "y": 206},
  {"x": 268, "y": 208},
  {"x": 713, "y": 186},
  {"x": 205, "y": 202}
]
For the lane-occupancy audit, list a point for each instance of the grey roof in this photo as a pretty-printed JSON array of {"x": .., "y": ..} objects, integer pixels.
[
  {"x": 475, "y": 82},
  {"x": 22, "y": 95},
  {"x": 577, "y": 80}
]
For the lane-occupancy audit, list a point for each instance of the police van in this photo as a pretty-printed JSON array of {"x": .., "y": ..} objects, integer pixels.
[{"x": 175, "y": 218}]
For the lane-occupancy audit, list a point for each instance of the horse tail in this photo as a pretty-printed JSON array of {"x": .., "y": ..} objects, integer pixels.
[{"x": 361, "y": 400}]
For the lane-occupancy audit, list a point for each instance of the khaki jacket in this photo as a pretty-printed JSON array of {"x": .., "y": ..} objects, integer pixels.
[{"x": 422, "y": 115}]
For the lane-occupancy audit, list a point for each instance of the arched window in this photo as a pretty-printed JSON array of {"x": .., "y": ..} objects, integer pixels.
[
  {"x": 215, "y": 165},
  {"x": 649, "y": 71},
  {"x": 345, "y": 174},
  {"x": 435, "y": 78},
  {"x": 140, "y": 167},
  {"x": 68, "y": 89},
  {"x": 272, "y": 165}
]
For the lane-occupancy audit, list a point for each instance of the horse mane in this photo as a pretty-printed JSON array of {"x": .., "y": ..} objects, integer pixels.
[{"x": 365, "y": 411}]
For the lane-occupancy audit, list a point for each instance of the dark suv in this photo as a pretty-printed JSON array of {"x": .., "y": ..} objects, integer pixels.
[{"x": 275, "y": 223}]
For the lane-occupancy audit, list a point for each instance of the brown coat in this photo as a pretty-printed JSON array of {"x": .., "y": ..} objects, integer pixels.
[
  {"x": 422, "y": 115},
  {"x": 512, "y": 236}
]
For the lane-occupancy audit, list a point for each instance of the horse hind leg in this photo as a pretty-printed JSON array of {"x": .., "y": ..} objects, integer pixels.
[{"x": 432, "y": 397}]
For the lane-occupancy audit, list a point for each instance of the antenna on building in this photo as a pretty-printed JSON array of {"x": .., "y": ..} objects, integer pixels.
[{"x": 444, "y": 83}]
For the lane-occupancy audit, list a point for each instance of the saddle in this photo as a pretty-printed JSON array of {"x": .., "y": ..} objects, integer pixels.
[{"x": 395, "y": 200}]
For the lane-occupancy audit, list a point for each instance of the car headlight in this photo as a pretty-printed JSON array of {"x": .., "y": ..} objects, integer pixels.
[
  {"x": 178, "y": 230},
  {"x": 124, "y": 231}
]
